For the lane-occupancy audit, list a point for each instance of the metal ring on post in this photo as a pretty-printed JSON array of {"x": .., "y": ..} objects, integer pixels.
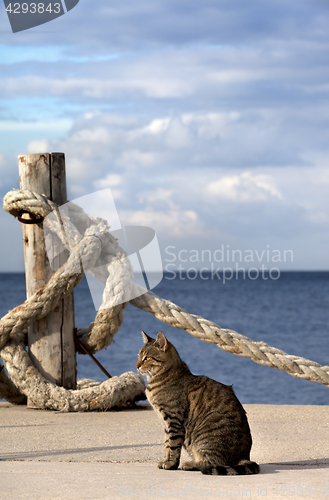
[{"x": 33, "y": 220}]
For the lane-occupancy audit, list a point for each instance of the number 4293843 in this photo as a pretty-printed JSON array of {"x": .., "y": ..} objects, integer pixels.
[{"x": 33, "y": 8}]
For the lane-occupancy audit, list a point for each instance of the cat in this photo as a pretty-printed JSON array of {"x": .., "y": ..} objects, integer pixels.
[{"x": 198, "y": 413}]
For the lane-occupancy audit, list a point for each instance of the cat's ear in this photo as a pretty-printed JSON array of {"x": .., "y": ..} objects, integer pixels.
[
  {"x": 146, "y": 338},
  {"x": 162, "y": 341}
]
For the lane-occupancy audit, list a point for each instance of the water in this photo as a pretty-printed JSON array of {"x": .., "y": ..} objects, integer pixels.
[{"x": 290, "y": 313}]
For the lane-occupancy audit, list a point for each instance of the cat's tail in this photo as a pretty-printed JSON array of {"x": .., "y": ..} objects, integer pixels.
[{"x": 243, "y": 468}]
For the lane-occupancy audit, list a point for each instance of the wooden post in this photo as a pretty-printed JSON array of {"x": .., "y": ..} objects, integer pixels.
[{"x": 51, "y": 339}]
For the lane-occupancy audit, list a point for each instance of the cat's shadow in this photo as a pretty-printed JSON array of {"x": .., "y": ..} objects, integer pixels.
[{"x": 274, "y": 468}]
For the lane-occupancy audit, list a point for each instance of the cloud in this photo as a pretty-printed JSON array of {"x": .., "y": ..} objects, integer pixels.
[
  {"x": 38, "y": 146},
  {"x": 100, "y": 143},
  {"x": 244, "y": 188},
  {"x": 2, "y": 164},
  {"x": 112, "y": 181},
  {"x": 173, "y": 223},
  {"x": 144, "y": 74},
  {"x": 105, "y": 27}
]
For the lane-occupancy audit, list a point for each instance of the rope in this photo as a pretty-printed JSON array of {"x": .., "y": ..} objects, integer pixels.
[
  {"x": 93, "y": 248},
  {"x": 231, "y": 341},
  {"x": 9, "y": 391},
  {"x": 115, "y": 391}
]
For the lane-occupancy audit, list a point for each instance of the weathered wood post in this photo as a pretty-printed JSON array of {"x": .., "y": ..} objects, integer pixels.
[{"x": 51, "y": 339}]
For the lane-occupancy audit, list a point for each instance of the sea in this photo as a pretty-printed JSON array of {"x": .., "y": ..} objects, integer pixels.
[{"x": 289, "y": 312}]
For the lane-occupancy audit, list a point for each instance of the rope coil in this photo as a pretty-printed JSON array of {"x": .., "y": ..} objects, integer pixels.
[{"x": 93, "y": 248}]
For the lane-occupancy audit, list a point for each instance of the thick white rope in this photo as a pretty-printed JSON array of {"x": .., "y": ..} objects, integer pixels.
[
  {"x": 115, "y": 391},
  {"x": 9, "y": 391},
  {"x": 231, "y": 341},
  {"x": 92, "y": 247}
]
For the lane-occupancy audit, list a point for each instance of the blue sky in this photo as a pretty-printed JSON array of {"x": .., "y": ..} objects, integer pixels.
[{"x": 209, "y": 120}]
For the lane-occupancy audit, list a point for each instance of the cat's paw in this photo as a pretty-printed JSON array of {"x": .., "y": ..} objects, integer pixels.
[
  {"x": 190, "y": 466},
  {"x": 168, "y": 465}
]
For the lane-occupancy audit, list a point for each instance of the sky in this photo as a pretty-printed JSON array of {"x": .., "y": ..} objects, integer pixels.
[{"x": 208, "y": 120}]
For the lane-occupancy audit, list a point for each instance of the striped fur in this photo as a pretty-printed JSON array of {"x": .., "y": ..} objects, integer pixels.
[{"x": 198, "y": 413}]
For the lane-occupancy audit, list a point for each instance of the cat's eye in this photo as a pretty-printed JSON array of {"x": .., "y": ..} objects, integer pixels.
[{"x": 149, "y": 357}]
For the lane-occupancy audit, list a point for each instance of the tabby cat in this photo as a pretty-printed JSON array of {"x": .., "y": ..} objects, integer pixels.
[{"x": 198, "y": 413}]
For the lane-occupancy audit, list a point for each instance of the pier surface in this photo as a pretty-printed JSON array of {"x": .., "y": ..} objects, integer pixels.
[{"x": 47, "y": 455}]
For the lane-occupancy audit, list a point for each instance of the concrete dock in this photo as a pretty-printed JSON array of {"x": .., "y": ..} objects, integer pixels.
[{"x": 53, "y": 456}]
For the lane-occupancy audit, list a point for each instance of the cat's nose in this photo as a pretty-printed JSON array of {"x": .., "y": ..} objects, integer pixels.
[{"x": 138, "y": 364}]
